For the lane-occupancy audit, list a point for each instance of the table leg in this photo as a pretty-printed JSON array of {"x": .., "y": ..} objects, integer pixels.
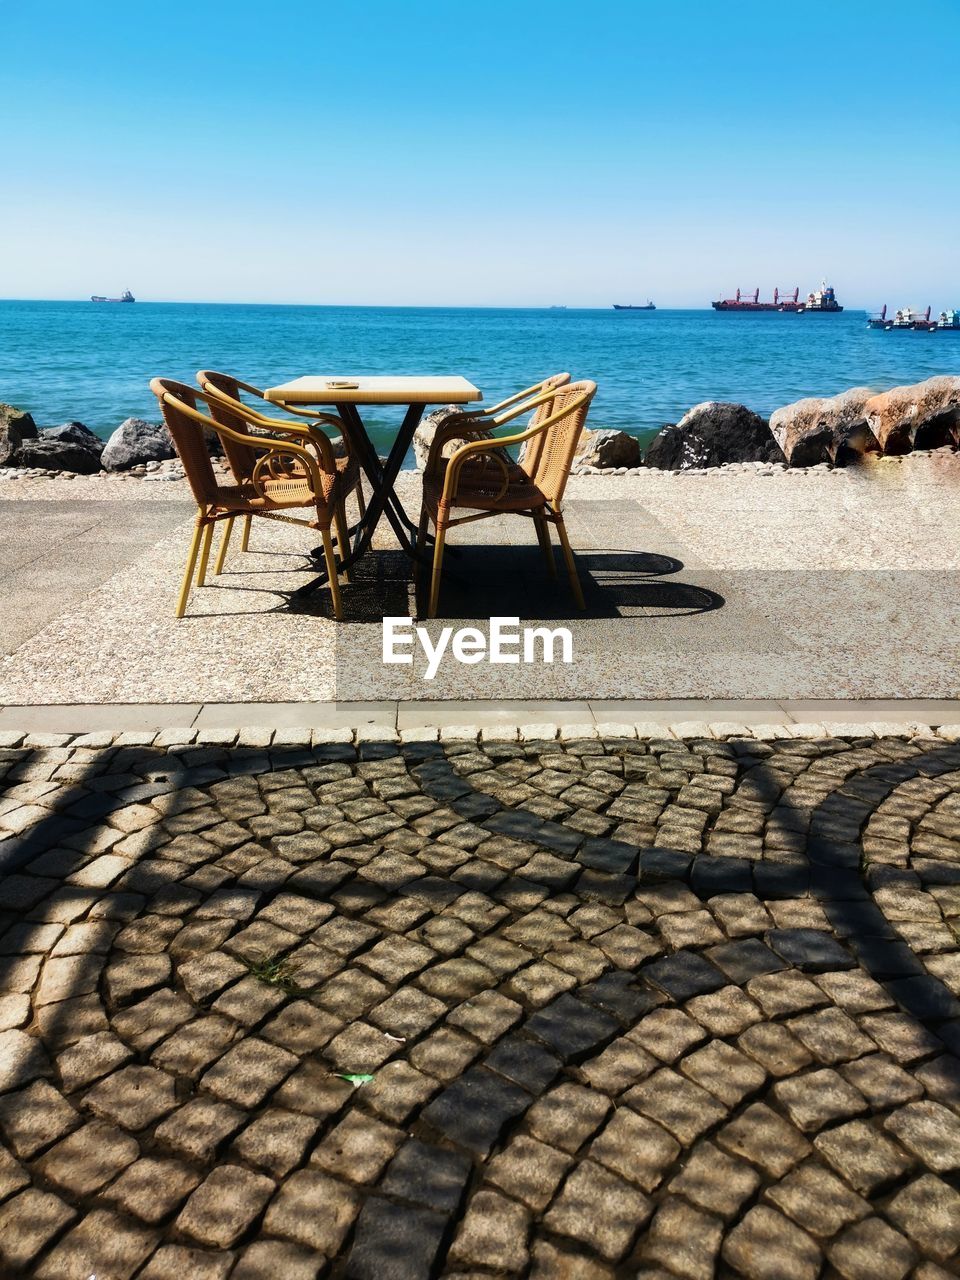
[{"x": 382, "y": 477}]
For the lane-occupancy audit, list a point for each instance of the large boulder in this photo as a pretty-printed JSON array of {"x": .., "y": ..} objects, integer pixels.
[
  {"x": 136, "y": 442},
  {"x": 70, "y": 447},
  {"x": 425, "y": 432},
  {"x": 606, "y": 449},
  {"x": 830, "y": 429},
  {"x": 15, "y": 427},
  {"x": 710, "y": 435},
  {"x": 923, "y": 416}
]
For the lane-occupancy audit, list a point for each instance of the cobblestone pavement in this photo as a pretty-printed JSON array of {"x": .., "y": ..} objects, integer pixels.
[{"x": 627, "y": 1007}]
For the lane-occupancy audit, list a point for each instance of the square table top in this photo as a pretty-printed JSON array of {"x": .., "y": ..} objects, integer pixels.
[{"x": 322, "y": 389}]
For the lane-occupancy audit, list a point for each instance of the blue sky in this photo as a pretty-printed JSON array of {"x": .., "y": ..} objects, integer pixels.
[{"x": 519, "y": 153}]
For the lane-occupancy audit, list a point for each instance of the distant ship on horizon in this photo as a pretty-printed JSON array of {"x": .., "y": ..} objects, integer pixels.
[
  {"x": 126, "y": 296},
  {"x": 629, "y": 306},
  {"x": 822, "y": 300},
  {"x": 743, "y": 302}
]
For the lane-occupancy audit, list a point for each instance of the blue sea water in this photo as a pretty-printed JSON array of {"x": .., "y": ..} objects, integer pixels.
[{"x": 91, "y": 362}]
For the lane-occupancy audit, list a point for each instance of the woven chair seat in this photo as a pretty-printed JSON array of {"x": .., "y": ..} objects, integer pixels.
[
  {"x": 292, "y": 491},
  {"x": 481, "y": 488},
  {"x": 347, "y": 470}
]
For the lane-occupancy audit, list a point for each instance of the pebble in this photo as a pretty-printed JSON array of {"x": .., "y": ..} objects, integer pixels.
[{"x": 172, "y": 469}]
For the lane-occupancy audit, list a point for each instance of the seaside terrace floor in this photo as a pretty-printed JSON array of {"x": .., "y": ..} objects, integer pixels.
[
  {"x": 731, "y": 585},
  {"x": 324, "y": 1003}
]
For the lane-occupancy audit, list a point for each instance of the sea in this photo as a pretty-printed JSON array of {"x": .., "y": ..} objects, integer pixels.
[{"x": 91, "y": 362}]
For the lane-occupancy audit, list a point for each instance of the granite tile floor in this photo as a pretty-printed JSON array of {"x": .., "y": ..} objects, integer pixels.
[
  {"x": 802, "y": 586},
  {"x": 274, "y": 1006},
  {"x": 53, "y": 554}
]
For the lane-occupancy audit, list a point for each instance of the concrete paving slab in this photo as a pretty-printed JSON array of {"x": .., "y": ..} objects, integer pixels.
[
  {"x": 865, "y": 710},
  {"x": 670, "y": 710},
  {"x": 484, "y": 713},
  {"x": 89, "y": 718},
  {"x": 308, "y": 715}
]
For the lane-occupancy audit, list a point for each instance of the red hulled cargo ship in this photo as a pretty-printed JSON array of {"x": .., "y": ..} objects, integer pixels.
[
  {"x": 751, "y": 302},
  {"x": 822, "y": 300}
]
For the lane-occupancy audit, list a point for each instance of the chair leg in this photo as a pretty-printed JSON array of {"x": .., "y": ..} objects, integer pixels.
[
  {"x": 224, "y": 543},
  {"x": 420, "y": 545},
  {"x": 245, "y": 540},
  {"x": 543, "y": 537},
  {"x": 343, "y": 542},
  {"x": 437, "y": 566},
  {"x": 361, "y": 500},
  {"x": 571, "y": 563},
  {"x": 205, "y": 554},
  {"x": 331, "y": 560},
  {"x": 188, "y": 571}
]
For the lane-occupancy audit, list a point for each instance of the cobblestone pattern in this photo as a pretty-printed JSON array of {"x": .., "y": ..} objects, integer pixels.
[{"x": 650, "y": 1007}]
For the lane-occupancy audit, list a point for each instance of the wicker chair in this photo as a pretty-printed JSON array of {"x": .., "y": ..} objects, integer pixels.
[
  {"x": 480, "y": 418},
  {"x": 295, "y": 469},
  {"x": 482, "y": 479},
  {"x": 223, "y": 393}
]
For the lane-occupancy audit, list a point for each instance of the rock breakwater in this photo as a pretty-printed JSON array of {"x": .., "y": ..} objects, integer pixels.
[{"x": 829, "y": 431}]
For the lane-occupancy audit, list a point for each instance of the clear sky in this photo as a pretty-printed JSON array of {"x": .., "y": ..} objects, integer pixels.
[{"x": 511, "y": 152}]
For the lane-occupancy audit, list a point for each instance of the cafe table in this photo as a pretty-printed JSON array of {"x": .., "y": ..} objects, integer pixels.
[{"x": 347, "y": 394}]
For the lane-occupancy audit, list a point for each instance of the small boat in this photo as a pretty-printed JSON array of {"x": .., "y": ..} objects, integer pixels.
[
  {"x": 907, "y": 318},
  {"x": 821, "y": 301},
  {"x": 630, "y": 306},
  {"x": 126, "y": 296},
  {"x": 879, "y": 320},
  {"x": 947, "y": 322}
]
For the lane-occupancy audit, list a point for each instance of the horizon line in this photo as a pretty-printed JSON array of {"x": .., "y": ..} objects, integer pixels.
[{"x": 390, "y": 306}]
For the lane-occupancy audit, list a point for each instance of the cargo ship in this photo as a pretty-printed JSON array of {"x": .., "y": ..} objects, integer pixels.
[
  {"x": 821, "y": 300},
  {"x": 126, "y": 296},
  {"x": 630, "y": 306},
  {"x": 947, "y": 322},
  {"x": 741, "y": 302}
]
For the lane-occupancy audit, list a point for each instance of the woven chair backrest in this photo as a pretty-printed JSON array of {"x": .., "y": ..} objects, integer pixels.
[
  {"x": 531, "y": 454},
  {"x": 188, "y": 437},
  {"x": 551, "y": 466},
  {"x": 241, "y": 457}
]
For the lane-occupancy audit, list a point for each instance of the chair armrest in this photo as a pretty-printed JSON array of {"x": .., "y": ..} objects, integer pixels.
[
  {"x": 249, "y": 388},
  {"x": 311, "y": 430},
  {"x": 272, "y": 446},
  {"x": 529, "y": 392},
  {"x": 477, "y": 448},
  {"x": 274, "y": 449},
  {"x": 327, "y": 419},
  {"x": 455, "y": 464},
  {"x": 283, "y": 424},
  {"x": 261, "y": 419},
  {"x": 453, "y": 428},
  {"x": 310, "y": 436},
  {"x": 314, "y": 414}
]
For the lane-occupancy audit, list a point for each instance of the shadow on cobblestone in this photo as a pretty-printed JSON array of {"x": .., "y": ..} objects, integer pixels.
[{"x": 560, "y": 1009}]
